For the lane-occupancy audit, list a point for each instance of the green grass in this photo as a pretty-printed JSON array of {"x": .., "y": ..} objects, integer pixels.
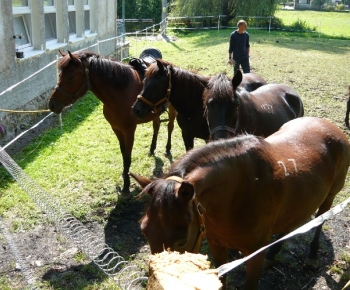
[
  {"x": 81, "y": 164},
  {"x": 335, "y": 24}
]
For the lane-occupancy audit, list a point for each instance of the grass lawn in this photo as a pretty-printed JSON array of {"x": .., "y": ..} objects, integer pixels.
[
  {"x": 328, "y": 23},
  {"x": 81, "y": 165}
]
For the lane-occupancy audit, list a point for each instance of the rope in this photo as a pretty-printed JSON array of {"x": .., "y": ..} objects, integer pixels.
[{"x": 24, "y": 112}]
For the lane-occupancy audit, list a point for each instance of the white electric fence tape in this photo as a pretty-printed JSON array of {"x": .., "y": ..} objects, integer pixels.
[{"x": 223, "y": 269}]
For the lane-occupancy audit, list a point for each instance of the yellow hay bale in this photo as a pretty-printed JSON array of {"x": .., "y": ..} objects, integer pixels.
[{"x": 172, "y": 270}]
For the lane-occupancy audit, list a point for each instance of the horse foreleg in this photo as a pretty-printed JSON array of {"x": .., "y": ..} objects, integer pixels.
[
  {"x": 220, "y": 257},
  {"x": 253, "y": 269},
  {"x": 126, "y": 143},
  {"x": 172, "y": 116},
  {"x": 347, "y": 113},
  {"x": 156, "y": 126}
]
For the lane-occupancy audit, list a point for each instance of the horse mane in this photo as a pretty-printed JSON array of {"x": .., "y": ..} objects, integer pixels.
[
  {"x": 219, "y": 87},
  {"x": 213, "y": 152},
  {"x": 111, "y": 70},
  {"x": 189, "y": 77}
]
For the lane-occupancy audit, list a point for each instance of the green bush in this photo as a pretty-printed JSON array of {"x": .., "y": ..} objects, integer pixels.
[
  {"x": 302, "y": 25},
  {"x": 340, "y": 7},
  {"x": 328, "y": 7}
]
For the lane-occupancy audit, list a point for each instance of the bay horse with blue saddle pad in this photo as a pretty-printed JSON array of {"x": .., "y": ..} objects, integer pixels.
[
  {"x": 184, "y": 90},
  {"x": 238, "y": 192},
  {"x": 232, "y": 110},
  {"x": 117, "y": 85}
]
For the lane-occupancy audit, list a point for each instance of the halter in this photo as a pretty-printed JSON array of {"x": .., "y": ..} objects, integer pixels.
[
  {"x": 200, "y": 210},
  {"x": 222, "y": 128},
  {"x": 74, "y": 96},
  {"x": 165, "y": 99}
]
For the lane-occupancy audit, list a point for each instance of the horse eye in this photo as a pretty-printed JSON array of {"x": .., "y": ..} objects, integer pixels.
[{"x": 182, "y": 243}]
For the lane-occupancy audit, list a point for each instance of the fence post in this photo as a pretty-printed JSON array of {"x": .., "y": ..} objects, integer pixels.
[
  {"x": 270, "y": 24},
  {"x": 219, "y": 23},
  {"x": 164, "y": 10}
]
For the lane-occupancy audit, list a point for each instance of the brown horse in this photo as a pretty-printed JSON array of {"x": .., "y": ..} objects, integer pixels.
[
  {"x": 232, "y": 110},
  {"x": 244, "y": 189},
  {"x": 184, "y": 90},
  {"x": 115, "y": 84}
]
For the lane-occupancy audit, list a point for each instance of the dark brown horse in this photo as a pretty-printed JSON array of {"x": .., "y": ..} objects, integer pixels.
[
  {"x": 115, "y": 84},
  {"x": 232, "y": 110},
  {"x": 184, "y": 90},
  {"x": 245, "y": 189}
]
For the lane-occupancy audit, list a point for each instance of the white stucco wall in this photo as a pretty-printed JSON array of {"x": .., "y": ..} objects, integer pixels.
[{"x": 33, "y": 94}]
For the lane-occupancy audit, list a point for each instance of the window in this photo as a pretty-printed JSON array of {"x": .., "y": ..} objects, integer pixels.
[
  {"x": 49, "y": 2},
  {"x": 50, "y": 26},
  {"x": 87, "y": 16},
  {"x": 21, "y": 24},
  {"x": 72, "y": 17},
  {"x": 22, "y": 38},
  {"x": 72, "y": 22},
  {"x": 19, "y": 3}
]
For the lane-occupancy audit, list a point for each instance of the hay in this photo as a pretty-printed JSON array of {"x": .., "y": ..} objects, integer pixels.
[{"x": 172, "y": 270}]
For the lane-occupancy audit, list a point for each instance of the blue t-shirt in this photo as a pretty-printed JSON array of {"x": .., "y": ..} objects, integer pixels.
[{"x": 239, "y": 43}]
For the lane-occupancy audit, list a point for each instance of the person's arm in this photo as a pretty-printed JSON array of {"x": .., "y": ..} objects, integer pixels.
[
  {"x": 230, "y": 49},
  {"x": 248, "y": 45}
]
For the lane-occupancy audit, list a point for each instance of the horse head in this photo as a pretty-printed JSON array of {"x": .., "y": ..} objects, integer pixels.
[
  {"x": 221, "y": 105},
  {"x": 73, "y": 81},
  {"x": 156, "y": 90},
  {"x": 169, "y": 198}
]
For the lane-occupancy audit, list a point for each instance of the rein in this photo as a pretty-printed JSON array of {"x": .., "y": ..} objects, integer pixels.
[
  {"x": 165, "y": 99},
  {"x": 222, "y": 128},
  {"x": 86, "y": 83},
  {"x": 200, "y": 210}
]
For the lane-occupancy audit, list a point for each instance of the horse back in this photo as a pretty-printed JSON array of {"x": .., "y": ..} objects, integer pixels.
[
  {"x": 311, "y": 161},
  {"x": 265, "y": 110}
]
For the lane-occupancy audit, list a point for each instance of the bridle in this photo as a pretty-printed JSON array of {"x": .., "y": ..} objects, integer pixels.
[
  {"x": 222, "y": 128},
  {"x": 200, "y": 210},
  {"x": 86, "y": 83},
  {"x": 154, "y": 106}
]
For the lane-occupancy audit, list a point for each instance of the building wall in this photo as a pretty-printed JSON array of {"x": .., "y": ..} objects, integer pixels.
[{"x": 34, "y": 94}]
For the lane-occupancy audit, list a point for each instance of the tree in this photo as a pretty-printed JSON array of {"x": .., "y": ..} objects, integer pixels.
[{"x": 224, "y": 7}]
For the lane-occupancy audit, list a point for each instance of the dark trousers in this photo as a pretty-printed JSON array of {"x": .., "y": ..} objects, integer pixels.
[{"x": 244, "y": 63}]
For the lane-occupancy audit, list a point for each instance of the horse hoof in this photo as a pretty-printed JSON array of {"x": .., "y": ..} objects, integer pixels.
[
  {"x": 313, "y": 263},
  {"x": 167, "y": 154},
  {"x": 124, "y": 195},
  {"x": 151, "y": 153},
  {"x": 268, "y": 263}
]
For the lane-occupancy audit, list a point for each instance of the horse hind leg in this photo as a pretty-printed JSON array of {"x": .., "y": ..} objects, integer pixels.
[
  {"x": 272, "y": 252},
  {"x": 312, "y": 258}
]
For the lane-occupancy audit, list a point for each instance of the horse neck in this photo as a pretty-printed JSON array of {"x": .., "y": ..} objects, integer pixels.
[
  {"x": 186, "y": 92},
  {"x": 108, "y": 90}
]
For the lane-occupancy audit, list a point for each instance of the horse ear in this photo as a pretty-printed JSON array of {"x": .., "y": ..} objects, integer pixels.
[
  {"x": 185, "y": 192},
  {"x": 143, "y": 181},
  {"x": 61, "y": 52},
  {"x": 70, "y": 54},
  {"x": 237, "y": 79},
  {"x": 160, "y": 65}
]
